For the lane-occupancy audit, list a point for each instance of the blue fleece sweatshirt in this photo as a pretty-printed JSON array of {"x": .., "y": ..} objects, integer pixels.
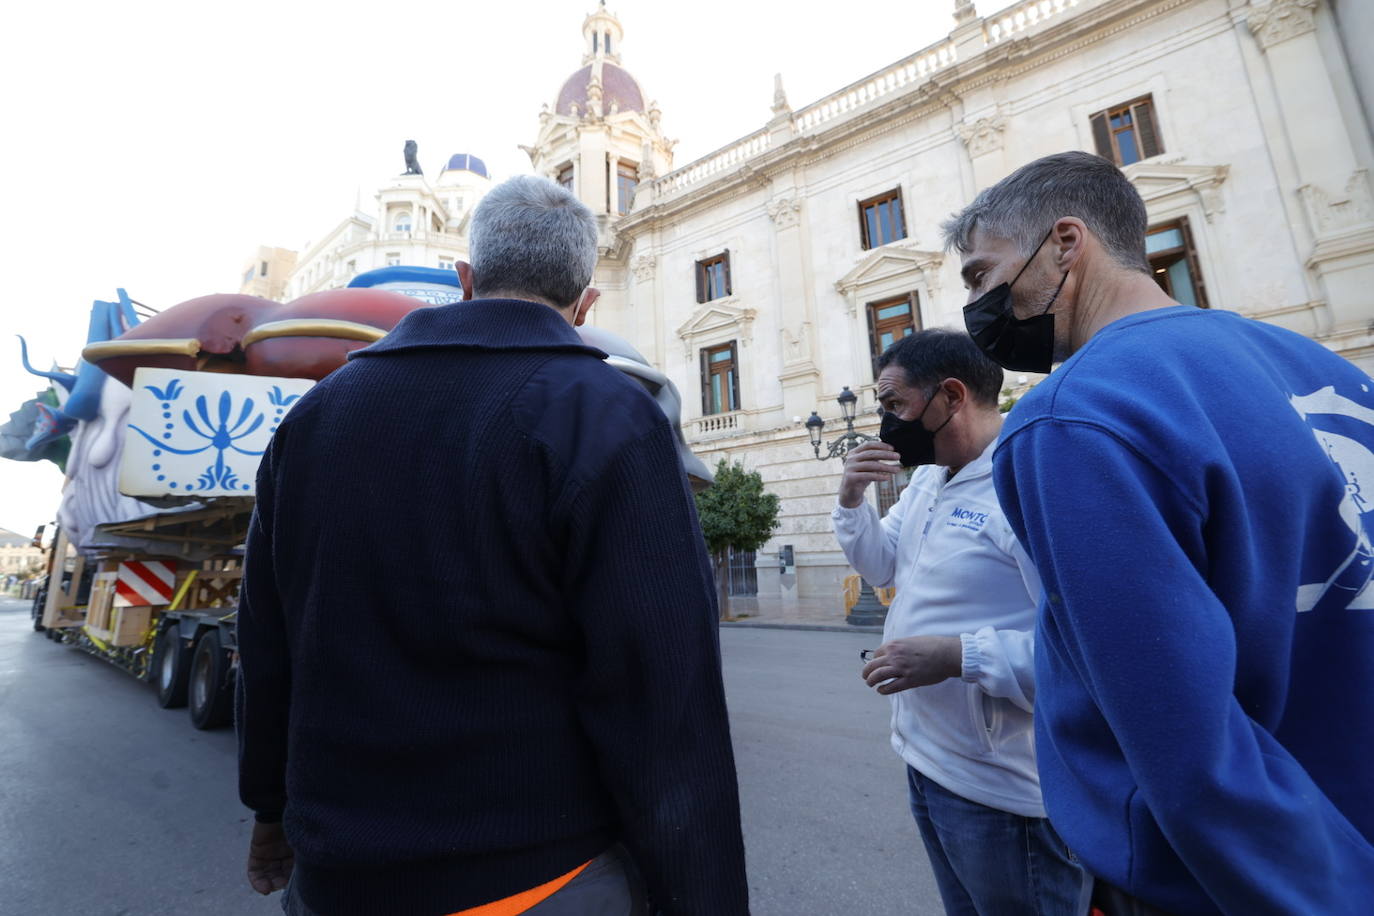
[{"x": 1197, "y": 492}]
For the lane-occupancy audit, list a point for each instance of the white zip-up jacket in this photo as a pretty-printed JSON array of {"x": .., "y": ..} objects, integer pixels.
[{"x": 958, "y": 570}]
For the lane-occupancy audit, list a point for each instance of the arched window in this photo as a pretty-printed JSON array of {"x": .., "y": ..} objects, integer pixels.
[{"x": 401, "y": 221}]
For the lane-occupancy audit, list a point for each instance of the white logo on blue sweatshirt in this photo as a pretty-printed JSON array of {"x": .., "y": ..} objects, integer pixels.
[{"x": 1348, "y": 584}]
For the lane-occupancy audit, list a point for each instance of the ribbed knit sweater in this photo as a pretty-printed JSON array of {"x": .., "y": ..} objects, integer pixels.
[{"x": 477, "y": 629}]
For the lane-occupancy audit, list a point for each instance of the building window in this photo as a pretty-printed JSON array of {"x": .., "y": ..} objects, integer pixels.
[
  {"x": 262, "y": 270},
  {"x": 713, "y": 277},
  {"x": 1173, "y": 259},
  {"x": 565, "y": 176},
  {"x": 393, "y": 259},
  {"x": 457, "y": 205},
  {"x": 719, "y": 379},
  {"x": 352, "y": 269},
  {"x": 890, "y": 491},
  {"x": 627, "y": 176},
  {"x": 1127, "y": 133},
  {"x": 446, "y": 263},
  {"x": 402, "y": 223},
  {"x": 248, "y": 276},
  {"x": 881, "y": 220},
  {"x": 890, "y": 320},
  {"x": 608, "y": 42}
]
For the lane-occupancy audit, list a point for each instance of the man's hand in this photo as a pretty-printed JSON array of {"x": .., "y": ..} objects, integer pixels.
[
  {"x": 872, "y": 461},
  {"x": 270, "y": 859},
  {"x": 916, "y": 661}
]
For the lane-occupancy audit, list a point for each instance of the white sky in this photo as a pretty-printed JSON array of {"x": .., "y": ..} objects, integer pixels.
[{"x": 154, "y": 145}]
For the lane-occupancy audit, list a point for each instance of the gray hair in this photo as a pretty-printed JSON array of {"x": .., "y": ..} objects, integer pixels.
[
  {"x": 1025, "y": 205},
  {"x": 531, "y": 236}
]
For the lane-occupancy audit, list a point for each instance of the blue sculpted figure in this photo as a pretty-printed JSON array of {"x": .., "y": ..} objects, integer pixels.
[{"x": 108, "y": 321}]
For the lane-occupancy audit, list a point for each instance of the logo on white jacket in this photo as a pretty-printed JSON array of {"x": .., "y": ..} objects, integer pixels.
[
  {"x": 1335, "y": 419},
  {"x": 968, "y": 519}
]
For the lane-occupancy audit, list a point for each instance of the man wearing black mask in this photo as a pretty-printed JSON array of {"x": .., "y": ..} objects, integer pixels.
[{"x": 958, "y": 647}]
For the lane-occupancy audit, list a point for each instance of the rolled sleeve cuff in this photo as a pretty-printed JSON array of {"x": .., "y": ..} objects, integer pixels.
[
  {"x": 850, "y": 521},
  {"x": 972, "y": 666}
]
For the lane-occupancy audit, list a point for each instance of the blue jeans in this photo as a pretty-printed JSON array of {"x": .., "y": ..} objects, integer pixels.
[{"x": 992, "y": 863}]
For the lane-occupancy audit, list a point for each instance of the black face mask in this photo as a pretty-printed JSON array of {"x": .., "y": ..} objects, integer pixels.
[
  {"x": 1022, "y": 344},
  {"x": 914, "y": 443}
]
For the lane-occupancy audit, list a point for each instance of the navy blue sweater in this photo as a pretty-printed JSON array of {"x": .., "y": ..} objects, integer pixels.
[
  {"x": 477, "y": 629},
  {"x": 1191, "y": 487}
]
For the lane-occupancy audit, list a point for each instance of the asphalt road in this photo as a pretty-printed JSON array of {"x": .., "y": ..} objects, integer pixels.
[{"x": 110, "y": 806}]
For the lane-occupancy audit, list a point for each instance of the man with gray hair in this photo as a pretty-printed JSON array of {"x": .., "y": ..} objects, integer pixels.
[
  {"x": 1190, "y": 487},
  {"x": 480, "y": 668}
]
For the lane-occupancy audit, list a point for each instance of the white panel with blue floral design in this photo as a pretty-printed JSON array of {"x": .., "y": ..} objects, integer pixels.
[{"x": 201, "y": 433}]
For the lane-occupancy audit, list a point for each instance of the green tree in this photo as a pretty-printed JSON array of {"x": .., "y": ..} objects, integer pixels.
[{"x": 735, "y": 512}]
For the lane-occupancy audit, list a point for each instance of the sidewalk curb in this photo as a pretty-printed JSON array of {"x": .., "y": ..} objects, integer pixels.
[{"x": 819, "y": 627}]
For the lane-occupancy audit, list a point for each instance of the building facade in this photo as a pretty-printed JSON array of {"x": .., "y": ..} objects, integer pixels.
[
  {"x": 764, "y": 278},
  {"x": 413, "y": 222},
  {"x": 267, "y": 273}
]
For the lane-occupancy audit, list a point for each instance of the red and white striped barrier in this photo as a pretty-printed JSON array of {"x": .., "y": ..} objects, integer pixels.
[{"x": 141, "y": 583}]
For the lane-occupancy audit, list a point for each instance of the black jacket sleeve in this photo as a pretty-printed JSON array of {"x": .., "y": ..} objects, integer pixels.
[
  {"x": 651, "y": 698},
  {"x": 262, "y": 695}
]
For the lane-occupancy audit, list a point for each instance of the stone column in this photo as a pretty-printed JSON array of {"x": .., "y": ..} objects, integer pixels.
[
  {"x": 1334, "y": 190},
  {"x": 800, "y": 376}
]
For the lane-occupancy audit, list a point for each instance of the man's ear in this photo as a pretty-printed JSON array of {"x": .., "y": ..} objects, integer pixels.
[
  {"x": 584, "y": 305},
  {"x": 464, "y": 278},
  {"x": 956, "y": 391},
  {"x": 1069, "y": 238}
]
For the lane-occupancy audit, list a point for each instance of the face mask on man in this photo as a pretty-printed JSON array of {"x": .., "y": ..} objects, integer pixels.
[
  {"x": 914, "y": 443},
  {"x": 1022, "y": 344}
]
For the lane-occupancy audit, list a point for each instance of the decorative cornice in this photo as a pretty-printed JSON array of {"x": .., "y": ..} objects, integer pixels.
[
  {"x": 643, "y": 266},
  {"x": 785, "y": 212},
  {"x": 1279, "y": 20},
  {"x": 1334, "y": 214},
  {"x": 983, "y": 135},
  {"x": 882, "y": 264},
  {"x": 1157, "y": 181},
  {"x": 714, "y": 316}
]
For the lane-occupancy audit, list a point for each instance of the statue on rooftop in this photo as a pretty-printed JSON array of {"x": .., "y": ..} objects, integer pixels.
[{"x": 412, "y": 162}]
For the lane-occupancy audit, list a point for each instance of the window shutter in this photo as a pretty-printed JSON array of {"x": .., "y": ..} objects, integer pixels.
[
  {"x": 728, "y": 288},
  {"x": 901, "y": 216},
  {"x": 872, "y": 339},
  {"x": 1102, "y": 137},
  {"x": 734, "y": 376},
  {"x": 705, "y": 384},
  {"x": 916, "y": 323},
  {"x": 864, "y": 243},
  {"x": 701, "y": 282},
  {"x": 1195, "y": 268},
  {"x": 1143, "y": 114}
]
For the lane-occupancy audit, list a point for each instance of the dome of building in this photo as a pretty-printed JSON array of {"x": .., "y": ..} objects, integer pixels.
[
  {"x": 467, "y": 162},
  {"x": 617, "y": 86}
]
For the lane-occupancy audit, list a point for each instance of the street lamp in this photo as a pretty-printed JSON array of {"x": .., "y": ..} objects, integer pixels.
[
  {"x": 868, "y": 610},
  {"x": 848, "y": 401}
]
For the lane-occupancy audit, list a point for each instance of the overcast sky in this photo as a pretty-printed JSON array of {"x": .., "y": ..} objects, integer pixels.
[{"x": 154, "y": 145}]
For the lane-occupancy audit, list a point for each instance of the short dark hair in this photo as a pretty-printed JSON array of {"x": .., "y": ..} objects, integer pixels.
[
  {"x": 935, "y": 354},
  {"x": 1025, "y": 205}
]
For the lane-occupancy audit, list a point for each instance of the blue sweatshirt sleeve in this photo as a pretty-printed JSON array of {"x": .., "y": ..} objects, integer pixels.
[{"x": 1130, "y": 622}]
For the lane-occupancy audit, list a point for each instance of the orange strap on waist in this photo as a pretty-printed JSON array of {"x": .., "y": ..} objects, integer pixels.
[{"x": 519, "y": 903}]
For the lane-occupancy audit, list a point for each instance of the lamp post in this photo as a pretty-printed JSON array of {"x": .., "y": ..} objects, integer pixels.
[{"x": 868, "y": 610}]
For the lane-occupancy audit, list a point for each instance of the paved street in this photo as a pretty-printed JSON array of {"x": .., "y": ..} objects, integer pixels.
[{"x": 110, "y": 806}]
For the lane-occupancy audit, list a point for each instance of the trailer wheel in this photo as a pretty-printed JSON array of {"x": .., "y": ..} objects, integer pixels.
[
  {"x": 211, "y": 694},
  {"x": 40, "y": 599},
  {"x": 171, "y": 672}
]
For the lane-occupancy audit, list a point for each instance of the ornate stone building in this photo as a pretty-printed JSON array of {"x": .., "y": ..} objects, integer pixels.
[
  {"x": 764, "y": 277},
  {"x": 413, "y": 222}
]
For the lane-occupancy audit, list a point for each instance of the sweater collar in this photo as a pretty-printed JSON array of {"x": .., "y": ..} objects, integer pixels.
[{"x": 484, "y": 324}]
